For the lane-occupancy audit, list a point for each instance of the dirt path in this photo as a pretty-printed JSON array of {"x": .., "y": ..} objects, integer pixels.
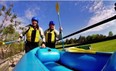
[{"x": 9, "y": 63}]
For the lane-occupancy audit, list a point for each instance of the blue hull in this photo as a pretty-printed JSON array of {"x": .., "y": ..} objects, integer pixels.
[{"x": 54, "y": 60}]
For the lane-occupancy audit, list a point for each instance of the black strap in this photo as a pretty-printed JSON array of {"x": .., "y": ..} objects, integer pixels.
[
  {"x": 27, "y": 29},
  {"x": 89, "y": 27},
  {"x": 50, "y": 36},
  {"x": 33, "y": 35}
]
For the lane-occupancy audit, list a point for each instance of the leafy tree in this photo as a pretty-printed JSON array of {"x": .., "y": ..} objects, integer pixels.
[
  {"x": 110, "y": 34},
  {"x": 67, "y": 41},
  {"x": 75, "y": 40},
  {"x": 7, "y": 14},
  {"x": 8, "y": 31},
  {"x": 81, "y": 39},
  {"x": 71, "y": 41},
  {"x": 88, "y": 38}
]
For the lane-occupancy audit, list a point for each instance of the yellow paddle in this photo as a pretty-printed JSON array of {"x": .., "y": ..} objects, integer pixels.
[
  {"x": 79, "y": 50},
  {"x": 58, "y": 11}
]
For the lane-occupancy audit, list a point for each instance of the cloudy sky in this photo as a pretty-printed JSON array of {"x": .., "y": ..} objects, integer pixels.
[{"x": 74, "y": 15}]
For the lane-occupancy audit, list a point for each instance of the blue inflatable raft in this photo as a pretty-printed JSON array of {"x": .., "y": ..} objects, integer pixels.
[{"x": 47, "y": 59}]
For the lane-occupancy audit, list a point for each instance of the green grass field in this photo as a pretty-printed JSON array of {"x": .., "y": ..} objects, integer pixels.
[{"x": 105, "y": 46}]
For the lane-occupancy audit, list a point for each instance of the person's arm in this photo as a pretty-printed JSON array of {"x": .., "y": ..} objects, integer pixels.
[
  {"x": 42, "y": 34},
  {"x": 23, "y": 34},
  {"x": 58, "y": 34},
  {"x": 45, "y": 33},
  {"x": 43, "y": 37}
]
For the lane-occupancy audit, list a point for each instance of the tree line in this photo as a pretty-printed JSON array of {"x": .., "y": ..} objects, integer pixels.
[{"x": 87, "y": 39}]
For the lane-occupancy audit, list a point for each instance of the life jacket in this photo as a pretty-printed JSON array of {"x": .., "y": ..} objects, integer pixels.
[
  {"x": 50, "y": 36},
  {"x": 33, "y": 35}
]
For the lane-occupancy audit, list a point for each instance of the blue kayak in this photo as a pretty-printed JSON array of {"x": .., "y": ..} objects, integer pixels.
[{"x": 48, "y": 59}]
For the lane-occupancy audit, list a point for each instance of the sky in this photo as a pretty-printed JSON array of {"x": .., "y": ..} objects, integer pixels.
[{"x": 74, "y": 15}]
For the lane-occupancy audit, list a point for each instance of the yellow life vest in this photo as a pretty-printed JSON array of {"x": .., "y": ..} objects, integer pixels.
[
  {"x": 52, "y": 37},
  {"x": 33, "y": 35}
]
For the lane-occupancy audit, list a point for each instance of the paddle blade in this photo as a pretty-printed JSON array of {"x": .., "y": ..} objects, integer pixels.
[
  {"x": 80, "y": 50},
  {"x": 2, "y": 43},
  {"x": 57, "y": 7}
]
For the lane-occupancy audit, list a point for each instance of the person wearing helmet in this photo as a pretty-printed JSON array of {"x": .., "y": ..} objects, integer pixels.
[
  {"x": 33, "y": 35},
  {"x": 51, "y": 34}
]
